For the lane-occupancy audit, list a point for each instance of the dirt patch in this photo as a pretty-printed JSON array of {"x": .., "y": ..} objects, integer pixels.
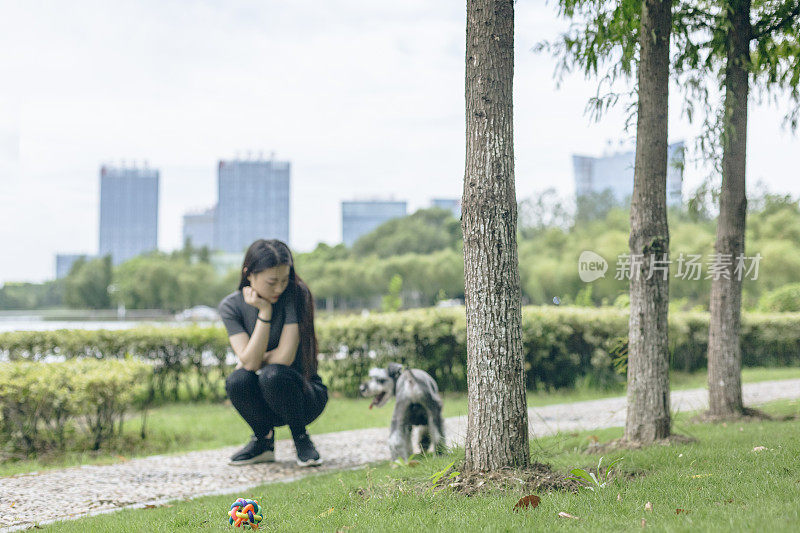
[
  {"x": 536, "y": 478},
  {"x": 622, "y": 444},
  {"x": 748, "y": 414}
]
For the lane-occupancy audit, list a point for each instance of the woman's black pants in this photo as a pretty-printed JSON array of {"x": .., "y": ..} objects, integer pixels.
[{"x": 276, "y": 396}]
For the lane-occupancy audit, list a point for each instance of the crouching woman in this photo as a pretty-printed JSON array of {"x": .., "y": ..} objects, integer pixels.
[{"x": 270, "y": 324}]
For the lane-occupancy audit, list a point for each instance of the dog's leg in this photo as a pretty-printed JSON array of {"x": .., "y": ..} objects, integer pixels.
[
  {"x": 424, "y": 439},
  {"x": 400, "y": 433},
  {"x": 395, "y": 441},
  {"x": 436, "y": 425}
]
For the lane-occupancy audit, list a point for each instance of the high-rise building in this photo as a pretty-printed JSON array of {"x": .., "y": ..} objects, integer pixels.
[
  {"x": 128, "y": 212},
  {"x": 64, "y": 263},
  {"x": 451, "y": 204},
  {"x": 199, "y": 228},
  {"x": 359, "y": 217},
  {"x": 253, "y": 203},
  {"x": 615, "y": 173}
]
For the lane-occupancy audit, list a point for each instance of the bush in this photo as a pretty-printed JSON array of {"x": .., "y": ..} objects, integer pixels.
[
  {"x": 186, "y": 362},
  {"x": 41, "y": 403},
  {"x": 560, "y": 346}
]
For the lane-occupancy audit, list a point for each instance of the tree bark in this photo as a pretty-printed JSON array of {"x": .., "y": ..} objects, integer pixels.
[
  {"x": 648, "y": 415},
  {"x": 497, "y": 426},
  {"x": 724, "y": 350}
]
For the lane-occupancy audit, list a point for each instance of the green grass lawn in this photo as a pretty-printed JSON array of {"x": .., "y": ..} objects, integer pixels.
[
  {"x": 199, "y": 426},
  {"x": 720, "y": 483}
]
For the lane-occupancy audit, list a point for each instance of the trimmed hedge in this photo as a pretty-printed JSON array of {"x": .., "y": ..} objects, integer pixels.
[
  {"x": 561, "y": 345},
  {"x": 186, "y": 361},
  {"x": 40, "y": 404}
]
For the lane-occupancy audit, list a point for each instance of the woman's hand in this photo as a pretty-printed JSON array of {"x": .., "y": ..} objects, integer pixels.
[{"x": 251, "y": 297}]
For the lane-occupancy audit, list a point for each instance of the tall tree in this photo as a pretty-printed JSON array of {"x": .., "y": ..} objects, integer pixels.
[
  {"x": 497, "y": 425},
  {"x": 648, "y": 416},
  {"x": 766, "y": 53},
  {"x": 724, "y": 350},
  {"x": 612, "y": 40}
]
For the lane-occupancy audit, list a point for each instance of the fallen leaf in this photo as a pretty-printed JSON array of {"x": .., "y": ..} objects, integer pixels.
[
  {"x": 741, "y": 429},
  {"x": 413, "y": 462},
  {"x": 531, "y": 500},
  {"x": 593, "y": 438},
  {"x": 679, "y": 511},
  {"x": 562, "y": 514},
  {"x": 325, "y": 513},
  {"x": 619, "y": 497},
  {"x": 700, "y": 475},
  {"x": 648, "y": 506},
  {"x": 149, "y": 506},
  {"x": 644, "y": 522},
  {"x": 759, "y": 448}
]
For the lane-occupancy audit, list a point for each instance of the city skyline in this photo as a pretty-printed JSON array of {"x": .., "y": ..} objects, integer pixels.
[
  {"x": 358, "y": 111},
  {"x": 360, "y": 217},
  {"x": 128, "y": 212},
  {"x": 615, "y": 172},
  {"x": 253, "y": 202}
]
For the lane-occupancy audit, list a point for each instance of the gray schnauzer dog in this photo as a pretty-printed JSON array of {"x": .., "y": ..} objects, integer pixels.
[{"x": 418, "y": 404}]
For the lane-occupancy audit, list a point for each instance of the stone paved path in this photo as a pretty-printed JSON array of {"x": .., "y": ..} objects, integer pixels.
[{"x": 80, "y": 491}]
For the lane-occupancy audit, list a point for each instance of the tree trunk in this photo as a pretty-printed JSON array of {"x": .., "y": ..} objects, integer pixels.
[
  {"x": 497, "y": 427},
  {"x": 724, "y": 350},
  {"x": 648, "y": 416}
]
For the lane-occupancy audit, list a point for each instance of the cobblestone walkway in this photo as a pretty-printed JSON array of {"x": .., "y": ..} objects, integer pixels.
[{"x": 80, "y": 491}]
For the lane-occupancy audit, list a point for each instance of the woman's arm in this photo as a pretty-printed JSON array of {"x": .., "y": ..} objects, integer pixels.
[
  {"x": 250, "y": 348},
  {"x": 286, "y": 351}
]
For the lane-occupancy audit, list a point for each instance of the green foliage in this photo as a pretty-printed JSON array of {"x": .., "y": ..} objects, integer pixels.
[
  {"x": 785, "y": 299},
  {"x": 187, "y": 363},
  {"x": 15, "y": 295},
  {"x": 161, "y": 281},
  {"x": 560, "y": 347},
  {"x": 360, "y": 281},
  {"x": 623, "y": 301},
  {"x": 392, "y": 300},
  {"x": 584, "y": 297},
  {"x": 594, "y": 206},
  {"x": 423, "y": 232},
  {"x": 443, "y": 475},
  {"x": 86, "y": 285},
  {"x": 593, "y": 481},
  {"x": 40, "y": 404}
]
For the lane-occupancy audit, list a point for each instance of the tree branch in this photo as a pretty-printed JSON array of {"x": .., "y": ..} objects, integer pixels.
[{"x": 761, "y": 28}]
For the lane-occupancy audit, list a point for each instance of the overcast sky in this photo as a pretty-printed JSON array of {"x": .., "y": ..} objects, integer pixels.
[{"x": 365, "y": 98}]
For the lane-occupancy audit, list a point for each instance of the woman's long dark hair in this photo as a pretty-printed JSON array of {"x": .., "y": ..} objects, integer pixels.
[{"x": 264, "y": 254}]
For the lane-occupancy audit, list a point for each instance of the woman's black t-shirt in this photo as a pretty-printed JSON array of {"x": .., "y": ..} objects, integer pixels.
[{"x": 239, "y": 316}]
